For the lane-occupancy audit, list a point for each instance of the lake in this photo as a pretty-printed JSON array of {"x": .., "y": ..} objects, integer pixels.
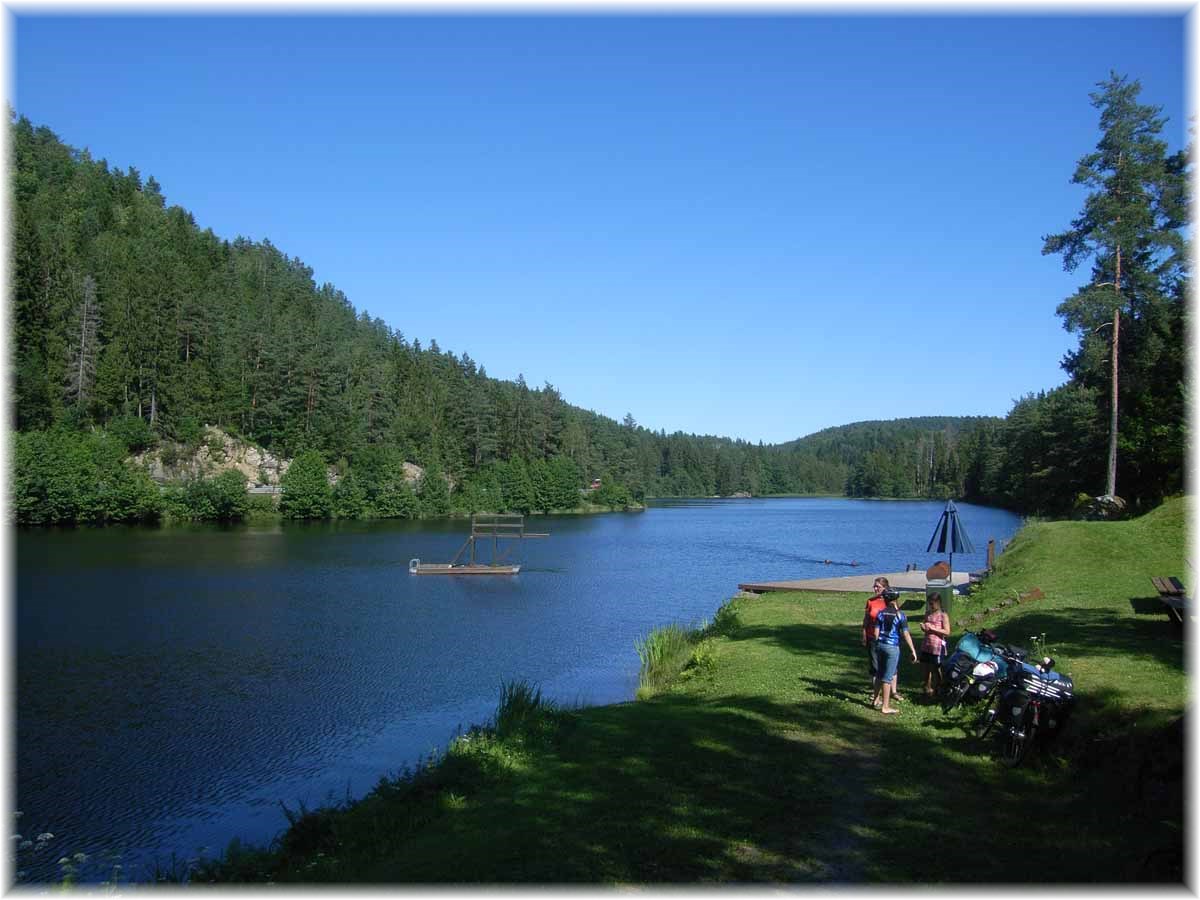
[{"x": 175, "y": 686}]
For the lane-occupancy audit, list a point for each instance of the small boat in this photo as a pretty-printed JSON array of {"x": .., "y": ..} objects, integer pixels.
[{"x": 496, "y": 527}]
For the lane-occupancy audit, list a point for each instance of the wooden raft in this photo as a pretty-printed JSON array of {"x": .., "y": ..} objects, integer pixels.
[{"x": 496, "y": 527}]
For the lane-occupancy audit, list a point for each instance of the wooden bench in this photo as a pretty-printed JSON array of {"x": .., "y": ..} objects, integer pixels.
[{"x": 1173, "y": 595}]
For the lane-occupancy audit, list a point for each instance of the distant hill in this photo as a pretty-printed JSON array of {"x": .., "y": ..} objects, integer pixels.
[
  {"x": 847, "y": 442},
  {"x": 922, "y": 456}
]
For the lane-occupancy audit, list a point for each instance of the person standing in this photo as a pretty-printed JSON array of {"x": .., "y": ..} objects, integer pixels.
[
  {"x": 875, "y": 605},
  {"x": 936, "y": 628},
  {"x": 890, "y": 626}
]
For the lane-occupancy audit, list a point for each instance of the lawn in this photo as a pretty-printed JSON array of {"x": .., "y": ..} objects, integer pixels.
[{"x": 763, "y": 760}]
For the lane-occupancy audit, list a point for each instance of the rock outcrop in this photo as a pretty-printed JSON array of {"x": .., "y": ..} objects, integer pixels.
[{"x": 219, "y": 452}]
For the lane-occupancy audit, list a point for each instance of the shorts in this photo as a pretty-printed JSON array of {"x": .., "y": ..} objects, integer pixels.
[
  {"x": 871, "y": 664},
  {"x": 887, "y": 660},
  {"x": 934, "y": 659}
]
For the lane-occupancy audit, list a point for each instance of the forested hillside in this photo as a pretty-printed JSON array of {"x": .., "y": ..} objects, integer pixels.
[
  {"x": 133, "y": 325},
  {"x": 920, "y": 457},
  {"x": 131, "y": 318}
]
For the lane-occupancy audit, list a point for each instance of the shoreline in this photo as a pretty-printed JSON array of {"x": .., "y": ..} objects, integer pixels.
[{"x": 759, "y": 717}]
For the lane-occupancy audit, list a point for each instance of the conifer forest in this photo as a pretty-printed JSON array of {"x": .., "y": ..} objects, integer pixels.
[{"x": 133, "y": 326}]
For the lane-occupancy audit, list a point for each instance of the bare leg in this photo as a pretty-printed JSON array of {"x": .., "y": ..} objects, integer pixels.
[{"x": 887, "y": 696}]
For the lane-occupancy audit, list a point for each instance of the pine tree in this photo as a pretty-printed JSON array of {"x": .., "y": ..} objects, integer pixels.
[
  {"x": 85, "y": 346},
  {"x": 1130, "y": 228},
  {"x": 434, "y": 493}
]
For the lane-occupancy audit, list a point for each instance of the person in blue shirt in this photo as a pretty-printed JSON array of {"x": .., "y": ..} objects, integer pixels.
[{"x": 890, "y": 626}]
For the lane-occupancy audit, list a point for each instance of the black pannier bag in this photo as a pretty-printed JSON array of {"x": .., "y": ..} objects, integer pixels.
[
  {"x": 1055, "y": 690},
  {"x": 1052, "y": 686},
  {"x": 980, "y": 689},
  {"x": 957, "y": 665}
]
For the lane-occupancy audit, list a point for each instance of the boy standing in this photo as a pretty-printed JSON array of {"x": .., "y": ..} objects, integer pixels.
[
  {"x": 890, "y": 625},
  {"x": 875, "y": 604}
]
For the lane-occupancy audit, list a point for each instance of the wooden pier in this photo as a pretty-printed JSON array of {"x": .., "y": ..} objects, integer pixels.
[
  {"x": 900, "y": 581},
  {"x": 483, "y": 526}
]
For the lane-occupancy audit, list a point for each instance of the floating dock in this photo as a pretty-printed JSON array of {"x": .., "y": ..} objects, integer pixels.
[
  {"x": 900, "y": 581},
  {"x": 496, "y": 527},
  {"x": 416, "y": 567}
]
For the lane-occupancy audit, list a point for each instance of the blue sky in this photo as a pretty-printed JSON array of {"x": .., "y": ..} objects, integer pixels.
[{"x": 753, "y": 226}]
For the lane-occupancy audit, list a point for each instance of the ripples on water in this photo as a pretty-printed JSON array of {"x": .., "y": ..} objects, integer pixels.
[{"x": 175, "y": 686}]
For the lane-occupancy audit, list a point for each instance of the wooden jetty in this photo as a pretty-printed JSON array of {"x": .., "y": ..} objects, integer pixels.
[
  {"x": 498, "y": 528},
  {"x": 901, "y": 581}
]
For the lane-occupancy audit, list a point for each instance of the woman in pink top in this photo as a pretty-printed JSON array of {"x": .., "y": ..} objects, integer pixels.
[{"x": 933, "y": 648}]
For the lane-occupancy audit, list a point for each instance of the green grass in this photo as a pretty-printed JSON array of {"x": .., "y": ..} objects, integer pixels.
[
  {"x": 663, "y": 653},
  {"x": 761, "y": 760}
]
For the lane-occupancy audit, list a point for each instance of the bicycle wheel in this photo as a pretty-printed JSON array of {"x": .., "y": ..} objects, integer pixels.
[
  {"x": 1016, "y": 748},
  {"x": 985, "y": 722},
  {"x": 954, "y": 695}
]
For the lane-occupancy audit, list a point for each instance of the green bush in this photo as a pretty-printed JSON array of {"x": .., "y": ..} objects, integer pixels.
[
  {"x": 189, "y": 432},
  {"x": 134, "y": 433},
  {"x": 64, "y": 477},
  {"x": 726, "y": 620},
  {"x": 612, "y": 495},
  {"x": 306, "y": 492},
  {"x": 349, "y": 499},
  {"x": 396, "y": 500},
  {"x": 259, "y": 506},
  {"x": 219, "y": 499}
]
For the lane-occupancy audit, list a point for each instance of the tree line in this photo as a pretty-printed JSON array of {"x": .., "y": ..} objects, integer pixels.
[{"x": 130, "y": 319}]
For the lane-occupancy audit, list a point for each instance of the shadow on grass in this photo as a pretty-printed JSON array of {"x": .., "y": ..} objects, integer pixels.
[
  {"x": 1148, "y": 606},
  {"x": 745, "y": 789},
  {"x": 854, "y": 688},
  {"x": 1099, "y": 632},
  {"x": 748, "y": 787}
]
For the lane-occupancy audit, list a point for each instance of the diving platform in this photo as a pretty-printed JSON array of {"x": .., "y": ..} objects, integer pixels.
[{"x": 497, "y": 528}]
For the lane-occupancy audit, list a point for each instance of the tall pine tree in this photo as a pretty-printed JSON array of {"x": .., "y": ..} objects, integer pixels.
[{"x": 1130, "y": 227}]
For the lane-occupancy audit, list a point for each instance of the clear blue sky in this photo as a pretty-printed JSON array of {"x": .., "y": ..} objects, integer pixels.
[{"x": 753, "y": 227}]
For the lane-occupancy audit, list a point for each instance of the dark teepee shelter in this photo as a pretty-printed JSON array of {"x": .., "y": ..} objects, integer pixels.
[{"x": 949, "y": 536}]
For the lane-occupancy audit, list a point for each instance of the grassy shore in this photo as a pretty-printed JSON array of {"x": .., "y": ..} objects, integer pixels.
[{"x": 763, "y": 761}]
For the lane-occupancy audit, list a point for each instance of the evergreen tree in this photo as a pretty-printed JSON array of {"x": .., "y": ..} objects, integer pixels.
[
  {"x": 349, "y": 499},
  {"x": 516, "y": 487},
  {"x": 565, "y": 482},
  {"x": 1130, "y": 228},
  {"x": 85, "y": 346},
  {"x": 434, "y": 493},
  {"x": 397, "y": 500}
]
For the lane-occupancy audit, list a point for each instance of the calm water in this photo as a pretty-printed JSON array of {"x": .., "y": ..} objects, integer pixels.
[{"x": 175, "y": 686}]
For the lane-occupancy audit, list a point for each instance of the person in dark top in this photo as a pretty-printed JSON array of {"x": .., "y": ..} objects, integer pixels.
[{"x": 890, "y": 626}]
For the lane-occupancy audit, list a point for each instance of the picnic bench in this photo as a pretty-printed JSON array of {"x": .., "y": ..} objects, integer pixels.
[{"x": 1173, "y": 595}]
